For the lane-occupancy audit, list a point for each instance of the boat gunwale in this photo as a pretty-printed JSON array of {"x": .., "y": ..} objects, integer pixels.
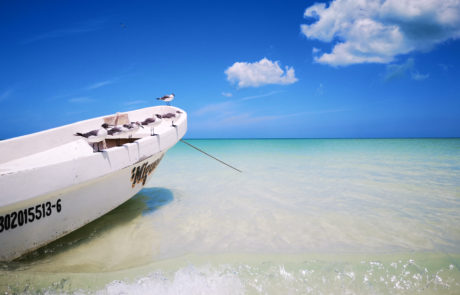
[{"x": 87, "y": 125}]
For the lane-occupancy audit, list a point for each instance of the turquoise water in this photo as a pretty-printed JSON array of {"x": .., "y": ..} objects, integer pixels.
[{"x": 306, "y": 216}]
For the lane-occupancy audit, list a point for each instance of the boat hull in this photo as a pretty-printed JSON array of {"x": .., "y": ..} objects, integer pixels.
[
  {"x": 39, "y": 221},
  {"x": 53, "y": 183}
]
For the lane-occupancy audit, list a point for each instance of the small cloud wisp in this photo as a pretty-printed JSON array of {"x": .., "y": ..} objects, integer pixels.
[{"x": 99, "y": 84}]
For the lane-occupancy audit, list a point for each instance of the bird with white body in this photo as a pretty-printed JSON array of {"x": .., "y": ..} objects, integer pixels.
[
  {"x": 167, "y": 98},
  {"x": 131, "y": 128},
  {"x": 176, "y": 118},
  {"x": 173, "y": 117},
  {"x": 116, "y": 132},
  {"x": 152, "y": 122},
  {"x": 96, "y": 136}
]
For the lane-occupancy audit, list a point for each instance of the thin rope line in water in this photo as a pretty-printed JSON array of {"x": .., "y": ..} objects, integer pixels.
[{"x": 191, "y": 145}]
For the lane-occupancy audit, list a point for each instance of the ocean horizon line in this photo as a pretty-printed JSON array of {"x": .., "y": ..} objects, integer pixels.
[{"x": 280, "y": 138}]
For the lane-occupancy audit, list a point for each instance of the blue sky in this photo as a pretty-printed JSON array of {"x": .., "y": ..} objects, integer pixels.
[{"x": 239, "y": 68}]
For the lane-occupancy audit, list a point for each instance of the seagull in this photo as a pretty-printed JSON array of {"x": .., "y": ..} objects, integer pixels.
[
  {"x": 152, "y": 123},
  {"x": 168, "y": 116},
  {"x": 132, "y": 127},
  {"x": 117, "y": 131},
  {"x": 96, "y": 136},
  {"x": 173, "y": 117},
  {"x": 176, "y": 118},
  {"x": 167, "y": 98}
]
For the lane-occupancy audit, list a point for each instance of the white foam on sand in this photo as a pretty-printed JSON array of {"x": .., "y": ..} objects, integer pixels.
[{"x": 189, "y": 280}]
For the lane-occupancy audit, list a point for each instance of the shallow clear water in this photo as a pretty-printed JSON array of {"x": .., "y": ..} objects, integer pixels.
[{"x": 309, "y": 216}]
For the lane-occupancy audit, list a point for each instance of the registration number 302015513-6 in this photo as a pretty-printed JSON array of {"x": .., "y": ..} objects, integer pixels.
[{"x": 24, "y": 216}]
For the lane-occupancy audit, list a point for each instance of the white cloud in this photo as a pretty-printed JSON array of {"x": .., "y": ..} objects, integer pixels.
[
  {"x": 259, "y": 73},
  {"x": 259, "y": 95},
  {"x": 399, "y": 70},
  {"x": 100, "y": 84},
  {"x": 371, "y": 31},
  {"x": 418, "y": 76},
  {"x": 244, "y": 119},
  {"x": 445, "y": 67},
  {"x": 227, "y": 94},
  {"x": 227, "y": 108},
  {"x": 320, "y": 90},
  {"x": 78, "y": 28},
  {"x": 222, "y": 107},
  {"x": 236, "y": 119},
  {"x": 82, "y": 99},
  {"x": 134, "y": 102}
]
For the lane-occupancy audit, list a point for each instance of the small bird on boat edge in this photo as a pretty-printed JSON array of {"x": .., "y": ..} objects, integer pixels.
[
  {"x": 152, "y": 122},
  {"x": 96, "y": 136},
  {"x": 173, "y": 117},
  {"x": 132, "y": 128}
]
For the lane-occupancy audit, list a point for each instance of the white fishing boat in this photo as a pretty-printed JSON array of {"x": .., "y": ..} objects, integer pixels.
[{"x": 54, "y": 182}]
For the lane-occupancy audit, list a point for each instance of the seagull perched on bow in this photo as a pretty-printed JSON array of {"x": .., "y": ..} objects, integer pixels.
[
  {"x": 152, "y": 123},
  {"x": 172, "y": 117},
  {"x": 96, "y": 136},
  {"x": 132, "y": 128},
  {"x": 176, "y": 118},
  {"x": 117, "y": 131},
  {"x": 167, "y": 98}
]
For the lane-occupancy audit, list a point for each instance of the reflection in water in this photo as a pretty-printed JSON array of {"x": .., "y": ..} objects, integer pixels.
[
  {"x": 154, "y": 198},
  {"x": 146, "y": 202}
]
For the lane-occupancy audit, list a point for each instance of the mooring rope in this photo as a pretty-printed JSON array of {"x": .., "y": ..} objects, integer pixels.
[{"x": 210, "y": 155}]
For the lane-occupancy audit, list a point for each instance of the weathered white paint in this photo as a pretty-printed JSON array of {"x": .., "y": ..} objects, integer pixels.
[{"x": 54, "y": 164}]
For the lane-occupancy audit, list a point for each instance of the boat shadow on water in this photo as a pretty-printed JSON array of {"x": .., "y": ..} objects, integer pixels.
[{"x": 146, "y": 202}]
